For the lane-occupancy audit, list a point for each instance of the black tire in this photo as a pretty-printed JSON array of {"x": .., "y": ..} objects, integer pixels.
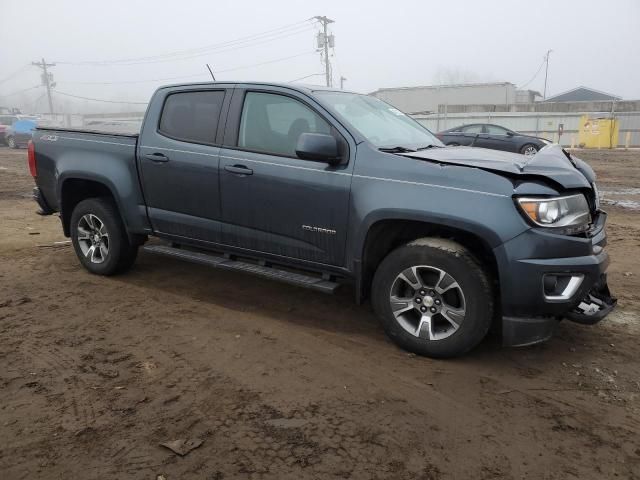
[
  {"x": 528, "y": 147},
  {"x": 454, "y": 259},
  {"x": 11, "y": 143},
  {"x": 121, "y": 254}
]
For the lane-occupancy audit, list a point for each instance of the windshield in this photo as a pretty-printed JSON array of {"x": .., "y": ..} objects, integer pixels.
[{"x": 380, "y": 123}]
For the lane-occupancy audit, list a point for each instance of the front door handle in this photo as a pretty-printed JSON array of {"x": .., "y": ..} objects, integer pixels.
[
  {"x": 157, "y": 157},
  {"x": 238, "y": 169}
]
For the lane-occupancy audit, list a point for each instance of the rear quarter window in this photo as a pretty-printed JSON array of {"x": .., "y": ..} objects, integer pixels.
[{"x": 192, "y": 116}]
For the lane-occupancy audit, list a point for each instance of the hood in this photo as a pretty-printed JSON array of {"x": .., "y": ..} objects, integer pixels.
[{"x": 551, "y": 162}]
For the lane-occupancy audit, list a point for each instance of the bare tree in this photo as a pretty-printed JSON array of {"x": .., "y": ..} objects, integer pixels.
[{"x": 454, "y": 75}]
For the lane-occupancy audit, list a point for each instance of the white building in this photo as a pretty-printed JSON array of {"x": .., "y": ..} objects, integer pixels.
[{"x": 428, "y": 98}]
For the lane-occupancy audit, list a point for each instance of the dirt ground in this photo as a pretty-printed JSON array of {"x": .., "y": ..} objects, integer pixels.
[{"x": 284, "y": 383}]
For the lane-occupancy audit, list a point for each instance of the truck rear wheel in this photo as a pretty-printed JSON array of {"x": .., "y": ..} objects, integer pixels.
[
  {"x": 433, "y": 298},
  {"x": 99, "y": 237}
]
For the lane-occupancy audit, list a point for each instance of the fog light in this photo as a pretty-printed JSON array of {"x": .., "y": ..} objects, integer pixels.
[
  {"x": 550, "y": 283},
  {"x": 559, "y": 287}
]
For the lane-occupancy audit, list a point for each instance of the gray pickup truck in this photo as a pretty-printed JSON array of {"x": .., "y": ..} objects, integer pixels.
[{"x": 320, "y": 187}]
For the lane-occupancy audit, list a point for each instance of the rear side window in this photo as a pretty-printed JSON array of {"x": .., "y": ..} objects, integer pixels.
[
  {"x": 495, "y": 130},
  {"x": 192, "y": 116},
  {"x": 272, "y": 123}
]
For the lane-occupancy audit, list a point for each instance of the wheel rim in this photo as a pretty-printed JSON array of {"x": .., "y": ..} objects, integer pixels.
[
  {"x": 93, "y": 238},
  {"x": 427, "y": 302},
  {"x": 530, "y": 150},
  {"x": 12, "y": 142}
]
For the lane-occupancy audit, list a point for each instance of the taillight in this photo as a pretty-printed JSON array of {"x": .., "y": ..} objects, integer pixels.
[{"x": 31, "y": 154}]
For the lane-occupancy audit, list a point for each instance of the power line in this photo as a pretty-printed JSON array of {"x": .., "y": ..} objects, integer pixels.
[
  {"x": 244, "y": 42},
  {"x": 20, "y": 91},
  {"x": 10, "y": 76},
  {"x": 276, "y": 60},
  {"x": 196, "y": 50},
  {"x": 536, "y": 74},
  {"x": 135, "y": 81},
  {"x": 307, "y": 76},
  {"x": 98, "y": 99},
  {"x": 267, "y": 62}
]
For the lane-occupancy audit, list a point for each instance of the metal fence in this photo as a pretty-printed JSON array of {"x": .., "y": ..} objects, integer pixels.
[{"x": 542, "y": 124}]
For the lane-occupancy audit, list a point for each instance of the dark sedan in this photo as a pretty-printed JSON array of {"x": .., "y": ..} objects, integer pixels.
[
  {"x": 19, "y": 133},
  {"x": 492, "y": 136}
]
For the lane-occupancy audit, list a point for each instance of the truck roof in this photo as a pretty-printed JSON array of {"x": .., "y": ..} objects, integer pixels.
[{"x": 302, "y": 87}]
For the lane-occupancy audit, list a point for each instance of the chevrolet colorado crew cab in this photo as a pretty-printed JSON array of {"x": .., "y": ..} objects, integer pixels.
[{"x": 321, "y": 187}]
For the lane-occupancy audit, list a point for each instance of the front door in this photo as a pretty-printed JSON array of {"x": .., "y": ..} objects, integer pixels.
[
  {"x": 498, "y": 138},
  {"x": 179, "y": 165},
  {"x": 272, "y": 201}
]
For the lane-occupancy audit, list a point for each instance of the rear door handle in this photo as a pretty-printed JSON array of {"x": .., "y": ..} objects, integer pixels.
[
  {"x": 238, "y": 169},
  {"x": 157, "y": 157}
]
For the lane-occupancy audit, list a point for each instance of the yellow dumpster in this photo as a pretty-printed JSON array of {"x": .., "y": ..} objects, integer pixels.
[{"x": 598, "y": 132}]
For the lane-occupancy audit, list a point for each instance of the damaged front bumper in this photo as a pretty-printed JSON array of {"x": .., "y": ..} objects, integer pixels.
[
  {"x": 523, "y": 331},
  {"x": 596, "y": 305},
  {"x": 546, "y": 277}
]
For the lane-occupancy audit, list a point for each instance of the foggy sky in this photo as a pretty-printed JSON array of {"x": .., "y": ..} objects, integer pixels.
[{"x": 378, "y": 44}]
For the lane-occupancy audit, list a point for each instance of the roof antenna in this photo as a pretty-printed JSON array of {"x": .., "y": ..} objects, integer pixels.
[{"x": 211, "y": 72}]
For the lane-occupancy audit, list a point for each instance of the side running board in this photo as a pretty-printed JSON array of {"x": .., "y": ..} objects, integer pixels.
[{"x": 225, "y": 263}]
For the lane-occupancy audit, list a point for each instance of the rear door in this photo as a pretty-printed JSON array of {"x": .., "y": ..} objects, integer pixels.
[
  {"x": 178, "y": 159},
  {"x": 471, "y": 135},
  {"x": 272, "y": 201}
]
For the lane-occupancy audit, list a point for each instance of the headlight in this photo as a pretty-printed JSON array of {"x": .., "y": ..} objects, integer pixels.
[{"x": 570, "y": 212}]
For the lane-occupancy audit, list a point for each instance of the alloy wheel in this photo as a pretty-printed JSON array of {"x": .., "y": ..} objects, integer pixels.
[
  {"x": 427, "y": 302},
  {"x": 93, "y": 238}
]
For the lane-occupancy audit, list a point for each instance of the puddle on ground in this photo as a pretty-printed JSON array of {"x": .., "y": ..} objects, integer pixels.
[
  {"x": 620, "y": 191},
  {"x": 630, "y": 204},
  {"x": 612, "y": 197}
]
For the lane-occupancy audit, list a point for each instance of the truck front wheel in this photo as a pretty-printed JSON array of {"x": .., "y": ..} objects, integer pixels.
[
  {"x": 99, "y": 237},
  {"x": 433, "y": 298}
]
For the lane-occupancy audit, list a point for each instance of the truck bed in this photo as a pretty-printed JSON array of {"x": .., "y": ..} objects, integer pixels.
[{"x": 85, "y": 156}]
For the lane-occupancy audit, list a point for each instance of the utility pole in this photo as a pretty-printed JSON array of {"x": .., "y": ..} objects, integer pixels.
[
  {"x": 47, "y": 79},
  {"x": 324, "y": 42},
  {"x": 546, "y": 74},
  {"x": 342, "y": 79}
]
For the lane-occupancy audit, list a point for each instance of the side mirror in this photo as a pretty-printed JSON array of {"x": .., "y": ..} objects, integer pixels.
[
  {"x": 318, "y": 147},
  {"x": 509, "y": 134}
]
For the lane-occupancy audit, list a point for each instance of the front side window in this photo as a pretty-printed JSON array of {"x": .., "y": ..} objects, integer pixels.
[
  {"x": 272, "y": 123},
  {"x": 192, "y": 116},
  {"x": 379, "y": 122},
  {"x": 473, "y": 129}
]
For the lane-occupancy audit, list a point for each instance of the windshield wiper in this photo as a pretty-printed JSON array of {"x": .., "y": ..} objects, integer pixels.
[
  {"x": 428, "y": 147},
  {"x": 397, "y": 149}
]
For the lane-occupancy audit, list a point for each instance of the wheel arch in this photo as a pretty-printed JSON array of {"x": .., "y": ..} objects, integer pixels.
[
  {"x": 74, "y": 189},
  {"x": 384, "y": 235}
]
